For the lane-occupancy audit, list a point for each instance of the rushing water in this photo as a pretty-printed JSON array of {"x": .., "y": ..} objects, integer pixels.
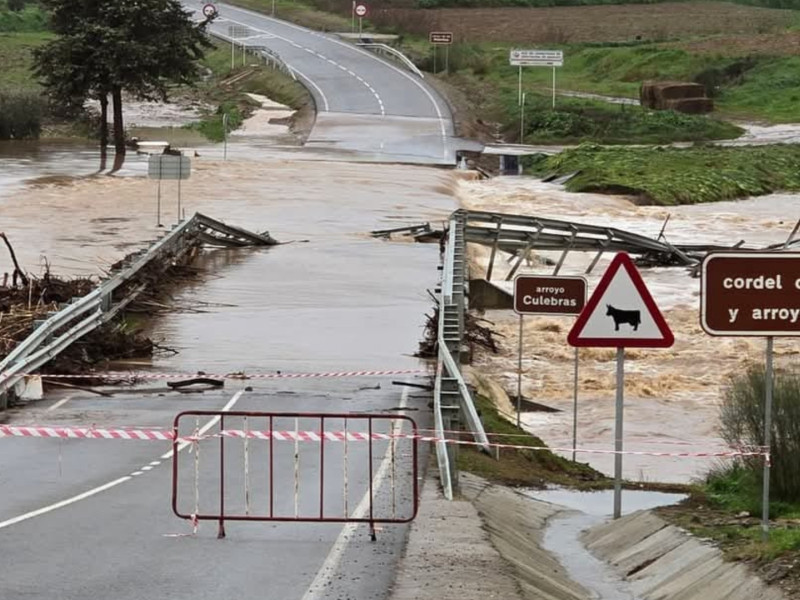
[{"x": 587, "y": 509}]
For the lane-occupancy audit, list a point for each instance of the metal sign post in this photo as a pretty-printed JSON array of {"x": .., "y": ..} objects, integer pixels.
[
  {"x": 620, "y": 314},
  {"x": 547, "y": 295},
  {"x": 535, "y": 58},
  {"x": 575, "y": 407},
  {"x": 225, "y": 136},
  {"x": 522, "y": 120},
  {"x": 361, "y": 12},
  {"x": 441, "y": 38},
  {"x": 753, "y": 294},
  {"x": 168, "y": 166}
]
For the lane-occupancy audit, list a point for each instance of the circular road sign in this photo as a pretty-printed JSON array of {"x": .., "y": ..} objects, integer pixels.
[
  {"x": 209, "y": 10},
  {"x": 361, "y": 10}
]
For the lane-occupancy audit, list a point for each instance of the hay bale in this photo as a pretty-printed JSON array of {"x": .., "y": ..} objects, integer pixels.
[
  {"x": 692, "y": 106},
  {"x": 675, "y": 95}
]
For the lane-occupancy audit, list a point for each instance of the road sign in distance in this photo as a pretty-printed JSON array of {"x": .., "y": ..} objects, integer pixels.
[
  {"x": 750, "y": 294},
  {"x": 440, "y": 37},
  {"x": 169, "y": 166},
  {"x": 536, "y": 58},
  {"x": 621, "y": 312},
  {"x": 538, "y": 295},
  {"x": 361, "y": 10},
  {"x": 209, "y": 10}
]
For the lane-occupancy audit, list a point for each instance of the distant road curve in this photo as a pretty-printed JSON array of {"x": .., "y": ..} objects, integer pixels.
[{"x": 366, "y": 105}]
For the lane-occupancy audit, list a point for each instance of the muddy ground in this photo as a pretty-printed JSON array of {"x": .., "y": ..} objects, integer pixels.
[{"x": 565, "y": 25}]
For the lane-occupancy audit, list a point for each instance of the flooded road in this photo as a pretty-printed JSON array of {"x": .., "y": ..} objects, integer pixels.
[
  {"x": 340, "y": 300},
  {"x": 671, "y": 395}
]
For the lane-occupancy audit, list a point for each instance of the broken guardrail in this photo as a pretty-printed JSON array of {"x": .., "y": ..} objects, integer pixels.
[
  {"x": 451, "y": 394},
  {"x": 85, "y": 314}
]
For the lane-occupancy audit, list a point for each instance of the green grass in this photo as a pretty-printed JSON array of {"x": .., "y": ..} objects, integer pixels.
[
  {"x": 16, "y": 56},
  {"x": 521, "y": 466},
  {"x": 230, "y": 99},
  {"x": 578, "y": 120},
  {"x": 30, "y": 18},
  {"x": 545, "y": 3},
  {"x": 676, "y": 176},
  {"x": 770, "y": 90}
]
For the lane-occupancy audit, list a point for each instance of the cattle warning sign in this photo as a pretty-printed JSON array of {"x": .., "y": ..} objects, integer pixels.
[{"x": 621, "y": 312}]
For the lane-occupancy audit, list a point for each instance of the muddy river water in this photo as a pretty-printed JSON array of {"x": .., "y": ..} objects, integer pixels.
[{"x": 334, "y": 298}]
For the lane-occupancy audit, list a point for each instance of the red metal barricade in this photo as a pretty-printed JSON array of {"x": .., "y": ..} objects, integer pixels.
[{"x": 304, "y": 467}]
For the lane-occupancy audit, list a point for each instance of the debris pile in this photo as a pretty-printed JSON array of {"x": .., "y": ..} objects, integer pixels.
[{"x": 475, "y": 334}]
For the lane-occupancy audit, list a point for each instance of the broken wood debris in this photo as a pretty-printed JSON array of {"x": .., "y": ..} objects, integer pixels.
[{"x": 420, "y": 233}]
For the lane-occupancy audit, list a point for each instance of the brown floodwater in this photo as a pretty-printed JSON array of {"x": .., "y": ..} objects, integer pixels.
[{"x": 671, "y": 395}]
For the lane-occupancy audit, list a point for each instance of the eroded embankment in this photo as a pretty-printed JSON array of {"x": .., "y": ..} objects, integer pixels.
[{"x": 662, "y": 562}]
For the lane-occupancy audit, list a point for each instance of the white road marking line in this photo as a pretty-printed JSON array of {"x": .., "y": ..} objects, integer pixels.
[
  {"x": 333, "y": 62},
  {"x": 63, "y": 503},
  {"x": 147, "y": 468},
  {"x": 107, "y": 486},
  {"x": 208, "y": 425},
  {"x": 136, "y": 473},
  {"x": 318, "y": 588},
  {"x": 60, "y": 403}
]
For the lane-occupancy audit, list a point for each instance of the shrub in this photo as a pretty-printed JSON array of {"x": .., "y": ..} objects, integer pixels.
[
  {"x": 742, "y": 422},
  {"x": 20, "y": 115}
]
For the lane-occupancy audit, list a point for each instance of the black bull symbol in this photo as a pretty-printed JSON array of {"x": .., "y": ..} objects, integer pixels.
[{"x": 631, "y": 317}]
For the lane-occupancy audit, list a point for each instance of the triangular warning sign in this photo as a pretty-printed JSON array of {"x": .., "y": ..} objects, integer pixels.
[{"x": 621, "y": 312}]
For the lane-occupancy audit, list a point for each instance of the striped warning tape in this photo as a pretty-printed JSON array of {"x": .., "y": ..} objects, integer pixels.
[
  {"x": 114, "y": 375},
  {"x": 315, "y": 436}
]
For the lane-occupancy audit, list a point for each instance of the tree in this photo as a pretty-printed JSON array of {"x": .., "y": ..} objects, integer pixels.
[{"x": 104, "y": 47}]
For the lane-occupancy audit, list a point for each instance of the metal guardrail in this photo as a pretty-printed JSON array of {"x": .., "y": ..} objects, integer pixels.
[
  {"x": 85, "y": 314},
  {"x": 393, "y": 53},
  {"x": 451, "y": 393},
  {"x": 270, "y": 56}
]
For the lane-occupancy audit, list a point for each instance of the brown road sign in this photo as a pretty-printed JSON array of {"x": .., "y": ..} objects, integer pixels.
[
  {"x": 751, "y": 294},
  {"x": 535, "y": 295},
  {"x": 440, "y": 37}
]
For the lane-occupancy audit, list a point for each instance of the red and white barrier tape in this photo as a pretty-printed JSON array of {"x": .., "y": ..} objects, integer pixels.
[
  {"x": 314, "y": 436},
  {"x": 277, "y": 375}
]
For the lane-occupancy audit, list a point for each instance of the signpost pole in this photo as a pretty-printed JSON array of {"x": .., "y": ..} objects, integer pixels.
[
  {"x": 359, "y": 26},
  {"x": 180, "y": 176},
  {"x": 522, "y": 121},
  {"x": 158, "y": 203},
  {"x": 575, "y": 407},
  {"x": 554, "y": 87},
  {"x": 519, "y": 377},
  {"x": 767, "y": 439},
  {"x": 519, "y": 87},
  {"x": 434, "y": 59},
  {"x": 618, "y": 433},
  {"x": 447, "y": 59},
  {"x": 225, "y": 136}
]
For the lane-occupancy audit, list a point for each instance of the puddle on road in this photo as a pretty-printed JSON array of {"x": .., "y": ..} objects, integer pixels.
[{"x": 587, "y": 509}]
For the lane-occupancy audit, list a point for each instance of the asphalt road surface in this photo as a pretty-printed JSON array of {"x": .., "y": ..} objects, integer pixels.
[
  {"x": 91, "y": 518},
  {"x": 365, "y": 104}
]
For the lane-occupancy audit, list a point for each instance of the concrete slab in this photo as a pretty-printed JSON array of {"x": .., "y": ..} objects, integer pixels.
[
  {"x": 612, "y": 538},
  {"x": 648, "y": 550}
]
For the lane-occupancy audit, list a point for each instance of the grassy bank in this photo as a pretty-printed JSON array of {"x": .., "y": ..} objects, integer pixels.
[
  {"x": 519, "y": 466},
  {"x": 226, "y": 88},
  {"x": 577, "y": 120},
  {"x": 676, "y": 176},
  {"x": 16, "y": 56}
]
